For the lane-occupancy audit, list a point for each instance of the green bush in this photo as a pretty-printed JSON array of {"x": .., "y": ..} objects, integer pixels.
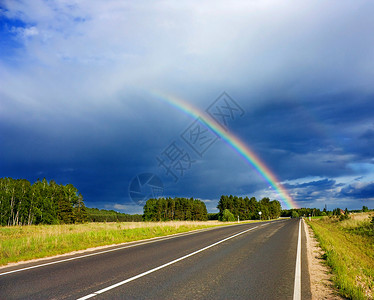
[
  {"x": 294, "y": 214},
  {"x": 227, "y": 216}
]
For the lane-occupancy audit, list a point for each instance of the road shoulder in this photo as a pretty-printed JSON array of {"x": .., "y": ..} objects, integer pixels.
[{"x": 320, "y": 274}]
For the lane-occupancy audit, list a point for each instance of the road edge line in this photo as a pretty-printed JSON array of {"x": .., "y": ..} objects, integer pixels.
[
  {"x": 297, "y": 284},
  {"x": 116, "y": 248}
]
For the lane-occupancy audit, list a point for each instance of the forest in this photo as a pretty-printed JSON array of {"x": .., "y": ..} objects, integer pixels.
[
  {"x": 23, "y": 203},
  {"x": 169, "y": 209},
  {"x": 103, "y": 215},
  {"x": 232, "y": 207}
]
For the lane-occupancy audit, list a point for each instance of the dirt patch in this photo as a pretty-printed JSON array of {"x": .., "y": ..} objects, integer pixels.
[{"x": 320, "y": 276}]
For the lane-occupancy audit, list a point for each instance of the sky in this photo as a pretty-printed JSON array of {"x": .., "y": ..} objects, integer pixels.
[{"x": 87, "y": 89}]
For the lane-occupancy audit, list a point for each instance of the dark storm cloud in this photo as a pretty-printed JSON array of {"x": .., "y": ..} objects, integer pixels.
[
  {"x": 312, "y": 190},
  {"x": 318, "y": 184},
  {"x": 75, "y": 102},
  {"x": 318, "y": 137},
  {"x": 359, "y": 191}
]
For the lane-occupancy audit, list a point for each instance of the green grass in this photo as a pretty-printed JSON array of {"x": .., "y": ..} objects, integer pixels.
[
  {"x": 20, "y": 243},
  {"x": 349, "y": 251}
]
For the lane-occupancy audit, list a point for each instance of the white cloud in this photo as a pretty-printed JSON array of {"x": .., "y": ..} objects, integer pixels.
[
  {"x": 26, "y": 32},
  {"x": 92, "y": 52},
  {"x": 125, "y": 208},
  {"x": 120, "y": 206},
  {"x": 160, "y": 39}
]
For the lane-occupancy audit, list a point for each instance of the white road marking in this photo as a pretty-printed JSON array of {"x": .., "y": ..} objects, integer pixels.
[
  {"x": 138, "y": 243},
  {"x": 163, "y": 266},
  {"x": 297, "y": 285}
]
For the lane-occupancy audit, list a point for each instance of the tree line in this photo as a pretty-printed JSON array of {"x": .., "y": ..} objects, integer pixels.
[
  {"x": 232, "y": 207},
  {"x": 23, "y": 203},
  {"x": 169, "y": 209},
  {"x": 103, "y": 215},
  {"x": 303, "y": 212},
  {"x": 315, "y": 212},
  {"x": 43, "y": 202}
]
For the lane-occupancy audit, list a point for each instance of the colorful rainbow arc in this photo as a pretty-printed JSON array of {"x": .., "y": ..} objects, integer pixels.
[{"x": 233, "y": 141}]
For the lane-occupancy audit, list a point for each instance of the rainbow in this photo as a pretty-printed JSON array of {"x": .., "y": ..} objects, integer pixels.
[{"x": 234, "y": 142}]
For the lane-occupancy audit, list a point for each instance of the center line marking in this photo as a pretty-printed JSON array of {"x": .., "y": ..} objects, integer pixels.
[{"x": 162, "y": 266}]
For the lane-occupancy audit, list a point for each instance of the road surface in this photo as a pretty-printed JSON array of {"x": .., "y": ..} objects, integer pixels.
[{"x": 246, "y": 261}]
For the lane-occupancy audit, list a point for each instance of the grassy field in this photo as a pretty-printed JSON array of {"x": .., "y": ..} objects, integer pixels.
[
  {"x": 19, "y": 243},
  {"x": 349, "y": 251}
]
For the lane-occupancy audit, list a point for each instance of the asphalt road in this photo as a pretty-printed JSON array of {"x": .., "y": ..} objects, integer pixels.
[{"x": 246, "y": 261}]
